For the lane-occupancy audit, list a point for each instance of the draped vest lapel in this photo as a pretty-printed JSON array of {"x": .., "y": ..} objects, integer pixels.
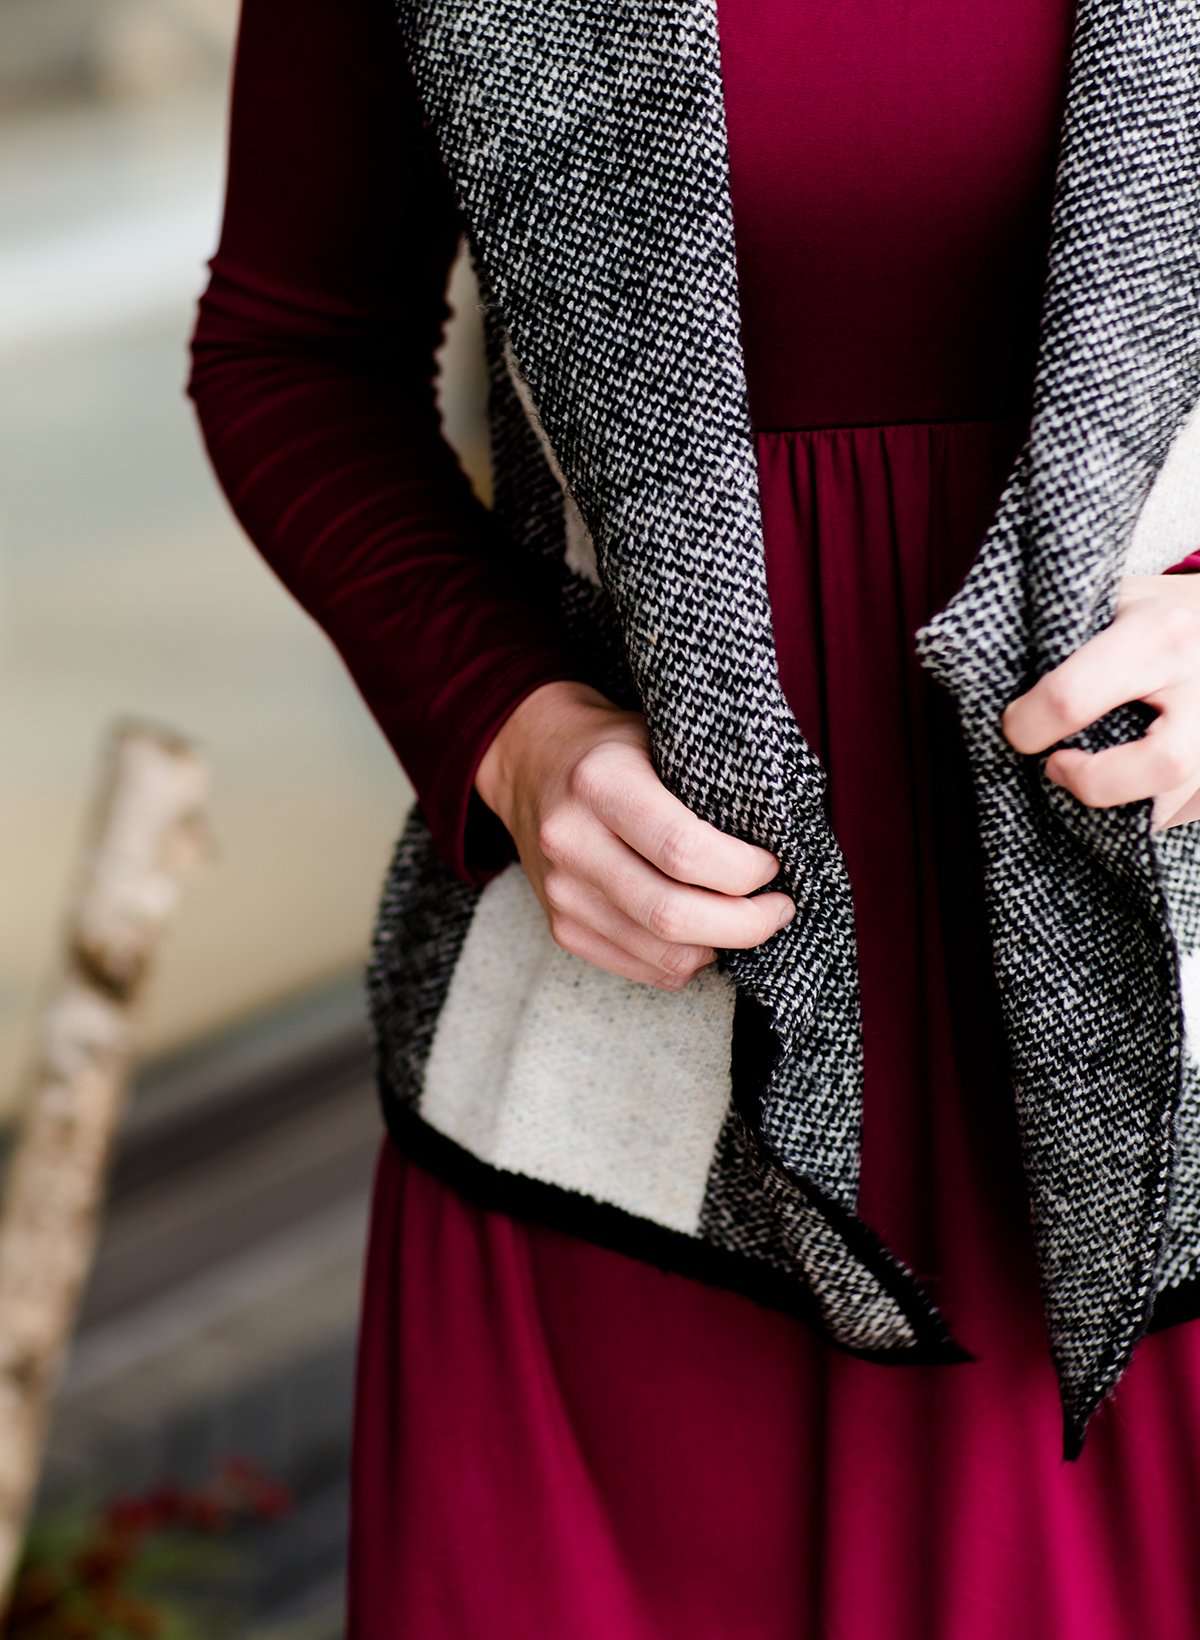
[
  {"x": 1084, "y": 949},
  {"x": 590, "y": 160}
]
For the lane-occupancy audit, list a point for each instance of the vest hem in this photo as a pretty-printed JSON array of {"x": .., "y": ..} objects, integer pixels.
[{"x": 496, "y": 1189}]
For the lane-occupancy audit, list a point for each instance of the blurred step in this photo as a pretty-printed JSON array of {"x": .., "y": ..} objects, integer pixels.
[{"x": 221, "y": 1319}]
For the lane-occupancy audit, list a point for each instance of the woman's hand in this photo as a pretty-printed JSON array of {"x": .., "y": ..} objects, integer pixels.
[
  {"x": 629, "y": 878},
  {"x": 1150, "y": 652}
]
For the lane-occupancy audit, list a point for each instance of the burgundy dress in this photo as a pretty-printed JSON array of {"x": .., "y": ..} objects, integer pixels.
[{"x": 551, "y": 1439}]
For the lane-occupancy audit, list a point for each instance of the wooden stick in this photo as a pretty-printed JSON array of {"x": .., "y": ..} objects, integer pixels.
[{"x": 148, "y": 829}]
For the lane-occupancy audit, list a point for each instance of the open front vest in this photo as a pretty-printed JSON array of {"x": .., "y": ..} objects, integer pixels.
[{"x": 717, "y": 1131}]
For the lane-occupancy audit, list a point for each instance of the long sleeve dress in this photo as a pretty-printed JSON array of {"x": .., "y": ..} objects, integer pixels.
[{"x": 553, "y": 1439}]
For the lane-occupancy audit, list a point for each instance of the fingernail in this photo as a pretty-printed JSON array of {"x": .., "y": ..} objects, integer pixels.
[{"x": 786, "y": 915}]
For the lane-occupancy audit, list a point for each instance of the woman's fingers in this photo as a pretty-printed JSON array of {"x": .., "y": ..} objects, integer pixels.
[
  {"x": 1150, "y": 652},
  {"x": 630, "y": 879},
  {"x": 1152, "y": 646},
  {"x": 573, "y": 902},
  {"x": 618, "y": 784},
  {"x": 1164, "y": 763},
  {"x": 673, "y": 912},
  {"x": 581, "y": 941}
]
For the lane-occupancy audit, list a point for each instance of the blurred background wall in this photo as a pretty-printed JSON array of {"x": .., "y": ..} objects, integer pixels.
[{"x": 223, "y": 1306}]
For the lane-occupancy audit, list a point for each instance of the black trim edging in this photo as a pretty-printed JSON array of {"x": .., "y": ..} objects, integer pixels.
[{"x": 537, "y": 1201}]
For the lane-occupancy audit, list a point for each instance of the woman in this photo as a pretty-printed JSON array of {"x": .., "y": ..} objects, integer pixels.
[{"x": 728, "y": 725}]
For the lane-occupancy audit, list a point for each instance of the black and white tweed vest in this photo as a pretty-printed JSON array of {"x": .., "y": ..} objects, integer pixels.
[{"x": 717, "y": 1131}]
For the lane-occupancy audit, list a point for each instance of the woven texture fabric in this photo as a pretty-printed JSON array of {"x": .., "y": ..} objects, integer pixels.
[
  {"x": 587, "y": 149},
  {"x": 1090, "y": 908}
]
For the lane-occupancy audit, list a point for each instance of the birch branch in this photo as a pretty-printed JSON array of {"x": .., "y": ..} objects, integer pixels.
[{"x": 147, "y": 830}]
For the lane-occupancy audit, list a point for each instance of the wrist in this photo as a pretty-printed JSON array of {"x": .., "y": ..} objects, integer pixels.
[{"x": 535, "y": 725}]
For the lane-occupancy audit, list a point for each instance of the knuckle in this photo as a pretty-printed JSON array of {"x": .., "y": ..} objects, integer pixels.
[
  {"x": 556, "y": 888},
  {"x": 589, "y": 775},
  {"x": 682, "y": 960},
  {"x": 662, "y": 918},
  {"x": 676, "y": 854},
  {"x": 552, "y": 835},
  {"x": 1065, "y": 699},
  {"x": 564, "y": 934}
]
